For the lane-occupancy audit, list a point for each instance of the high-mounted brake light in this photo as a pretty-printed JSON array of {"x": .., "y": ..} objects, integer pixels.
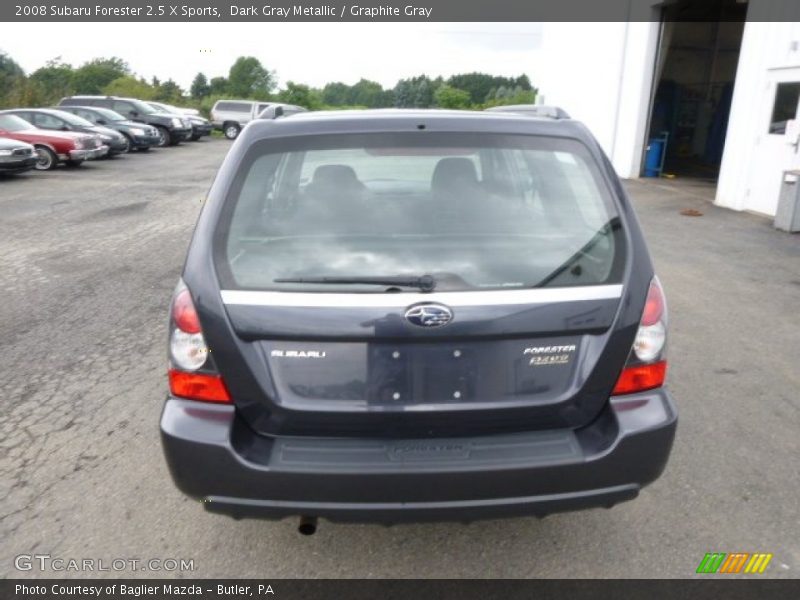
[
  {"x": 646, "y": 368},
  {"x": 188, "y": 354}
]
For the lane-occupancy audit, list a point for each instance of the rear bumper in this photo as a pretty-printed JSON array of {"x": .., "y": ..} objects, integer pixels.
[{"x": 215, "y": 457}]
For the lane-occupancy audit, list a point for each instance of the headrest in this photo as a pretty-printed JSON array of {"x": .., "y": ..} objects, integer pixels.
[{"x": 454, "y": 174}]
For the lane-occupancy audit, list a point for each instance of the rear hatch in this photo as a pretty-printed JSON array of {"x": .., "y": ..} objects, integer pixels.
[{"x": 420, "y": 284}]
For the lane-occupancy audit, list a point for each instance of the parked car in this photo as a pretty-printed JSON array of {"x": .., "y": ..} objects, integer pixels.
[
  {"x": 200, "y": 125},
  {"x": 140, "y": 137},
  {"x": 230, "y": 116},
  {"x": 57, "y": 120},
  {"x": 416, "y": 315},
  {"x": 52, "y": 147},
  {"x": 172, "y": 129},
  {"x": 16, "y": 157}
]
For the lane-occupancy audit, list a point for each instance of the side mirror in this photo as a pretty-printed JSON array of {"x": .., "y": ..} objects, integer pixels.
[
  {"x": 100, "y": 121},
  {"x": 64, "y": 128},
  {"x": 133, "y": 113}
]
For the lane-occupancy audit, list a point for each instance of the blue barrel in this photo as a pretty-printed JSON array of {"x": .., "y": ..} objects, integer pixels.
[{"x": 652, "y": 161}]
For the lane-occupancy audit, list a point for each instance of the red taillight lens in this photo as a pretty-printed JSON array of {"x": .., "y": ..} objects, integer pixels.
[
  {"x": 198, "y": 386},
  {"x": 184, "y": 314},
  {"x": 654, "y": 305},
  {"x": 638, "y": 378}
]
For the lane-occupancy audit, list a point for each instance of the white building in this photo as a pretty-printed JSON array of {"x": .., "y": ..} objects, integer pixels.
[{"x": 722, "y": 79}]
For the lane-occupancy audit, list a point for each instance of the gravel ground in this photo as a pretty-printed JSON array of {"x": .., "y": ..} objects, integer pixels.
[{"x": 88, "y": 260}]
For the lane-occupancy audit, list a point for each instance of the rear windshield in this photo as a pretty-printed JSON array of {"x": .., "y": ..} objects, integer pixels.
[{"x": 471, "y": 211}]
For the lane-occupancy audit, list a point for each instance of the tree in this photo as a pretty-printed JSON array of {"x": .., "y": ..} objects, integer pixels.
[
  {"x": 10, "y": 76},
  {"x": 55, "y": 79},
  {"x": 200, "y": 88},
  {"x": 129, "y": 86},
  {"x": 511, "y": 96},
  {"x": 336, "y": 94},
  {"x": 9, "y": 70},
  {"x": 92, "y": 77},
  {"x": 219, "y": 86},
  {"x": 481, "y": 85},
  {"x": 366, "y": 93},
  {"x": 169, "y": 91},
  {"x": 416, "y": 92},
  {"x": 449, "y": 97},
  {"x": 249, "y": 79},
  {"x": 301, "y": 95}
]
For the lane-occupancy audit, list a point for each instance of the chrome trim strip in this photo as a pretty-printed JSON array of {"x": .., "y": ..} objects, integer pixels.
[{"x": 402, "y": 300}]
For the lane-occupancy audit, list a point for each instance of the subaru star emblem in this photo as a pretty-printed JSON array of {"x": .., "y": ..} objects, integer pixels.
[{"x": 429, "y": 315}]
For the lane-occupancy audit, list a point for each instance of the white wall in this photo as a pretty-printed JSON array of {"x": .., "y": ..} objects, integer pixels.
[
  {"x": 768, "y": 48},
  {"x": 601, "y": 73}
]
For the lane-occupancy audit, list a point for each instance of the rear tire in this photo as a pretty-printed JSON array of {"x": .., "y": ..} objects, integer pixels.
[
  {"x": 143, "y": 149},
  {"x": 164, "y": 137},
  {"x": 196, "y": 137},
  {"x": 231, "y": 130},
  {"x": 47, "y": 159}
]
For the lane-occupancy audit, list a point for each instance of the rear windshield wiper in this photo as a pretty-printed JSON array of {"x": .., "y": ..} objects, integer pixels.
[
  {"x": 425, "y": 283},
  {"x": 584, "y": 252}
]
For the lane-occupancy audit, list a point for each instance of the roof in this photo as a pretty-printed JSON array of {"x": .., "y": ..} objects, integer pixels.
[{"x": 399, "y": 119}]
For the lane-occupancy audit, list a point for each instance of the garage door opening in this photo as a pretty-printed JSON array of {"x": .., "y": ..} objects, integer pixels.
[{"x": 695, "y": 75}]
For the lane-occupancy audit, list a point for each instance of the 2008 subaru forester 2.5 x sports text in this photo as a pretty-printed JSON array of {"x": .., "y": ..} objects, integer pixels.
[{"x": 416, "y": 315}]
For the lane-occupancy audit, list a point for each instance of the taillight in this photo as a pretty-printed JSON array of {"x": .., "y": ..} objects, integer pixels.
[
  {"x": 192, "y": 372},
  {"x": 183, "y": 312},
  {"x": 639, "y": 378},
  {"x": 198, "y": 386},
  {"x": 646, "y": 367}
]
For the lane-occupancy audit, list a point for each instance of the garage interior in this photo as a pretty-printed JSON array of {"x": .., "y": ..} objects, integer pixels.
[{"x": 695, "y": 74}]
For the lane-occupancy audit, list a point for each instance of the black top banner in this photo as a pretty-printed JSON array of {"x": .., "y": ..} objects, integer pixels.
[{"x": 393, "y": 10}]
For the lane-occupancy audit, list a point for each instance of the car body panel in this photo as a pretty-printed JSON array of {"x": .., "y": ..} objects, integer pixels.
[
  {"x": 200, "y": 126},
  {"x": 177, "y": 125},
  {"x": 146, "y": 139},
  {"x": 345, "y": 407},
  {"x": 22, "y": 156},
  {"x": 54, "y": 120},
  {"x": 61, "y": 143}
]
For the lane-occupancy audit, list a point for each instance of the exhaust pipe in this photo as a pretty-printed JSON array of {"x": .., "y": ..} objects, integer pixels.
[{"x": 308, "y": 525}]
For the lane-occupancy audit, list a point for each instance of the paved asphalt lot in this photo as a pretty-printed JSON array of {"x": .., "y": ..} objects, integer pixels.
[{"x": 88, "y": 260}]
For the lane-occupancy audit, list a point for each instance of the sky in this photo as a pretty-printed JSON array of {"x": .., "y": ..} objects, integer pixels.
[{"x": 310, "y": 53}]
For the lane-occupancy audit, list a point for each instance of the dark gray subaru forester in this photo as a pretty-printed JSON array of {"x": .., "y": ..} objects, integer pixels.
[{"x": 416, "y": 315}]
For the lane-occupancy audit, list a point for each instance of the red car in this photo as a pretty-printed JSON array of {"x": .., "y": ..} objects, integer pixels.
[{"x": 52, "y": 147}]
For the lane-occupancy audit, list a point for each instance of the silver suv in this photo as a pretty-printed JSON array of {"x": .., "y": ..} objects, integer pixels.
[{"x": 231, "y": 115}]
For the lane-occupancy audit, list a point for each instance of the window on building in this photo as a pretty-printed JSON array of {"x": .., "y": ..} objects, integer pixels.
[{"x": 785, "y": 108}]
